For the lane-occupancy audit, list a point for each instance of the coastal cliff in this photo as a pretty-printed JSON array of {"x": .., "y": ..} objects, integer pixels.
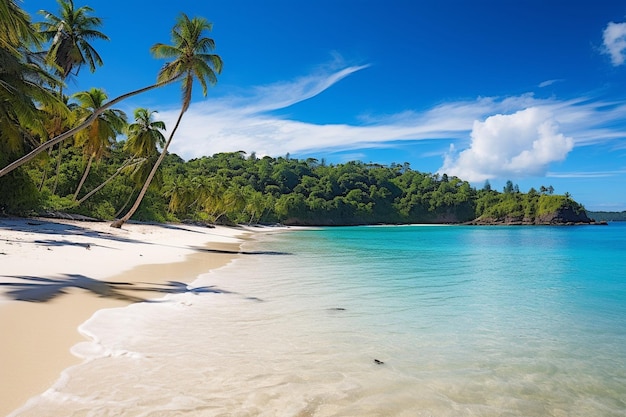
[{"x": 567, "y": 215}]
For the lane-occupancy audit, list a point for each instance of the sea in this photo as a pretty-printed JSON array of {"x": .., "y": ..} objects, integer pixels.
[{"x": 416, "y": 320}]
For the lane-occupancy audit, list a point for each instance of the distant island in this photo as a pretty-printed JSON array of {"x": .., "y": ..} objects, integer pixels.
[{"x": 237, "y": 188}]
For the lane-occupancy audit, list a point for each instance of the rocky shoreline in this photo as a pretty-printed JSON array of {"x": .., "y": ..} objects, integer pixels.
[{"x": 563, "y": 217}]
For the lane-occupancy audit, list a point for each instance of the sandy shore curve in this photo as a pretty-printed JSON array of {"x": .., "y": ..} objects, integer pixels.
[{"x": 55, "y": 274}]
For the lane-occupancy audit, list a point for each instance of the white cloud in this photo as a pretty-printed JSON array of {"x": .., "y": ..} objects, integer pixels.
[
  {"x": 614, "y": 39},
  {"x": 516, "y": 145}
]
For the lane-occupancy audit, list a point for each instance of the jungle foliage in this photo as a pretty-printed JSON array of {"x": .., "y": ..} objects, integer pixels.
[{"x": 235, "y": 187}]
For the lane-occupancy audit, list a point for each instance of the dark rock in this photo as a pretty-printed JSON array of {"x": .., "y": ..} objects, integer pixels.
[{"x": 565, "y": 216}]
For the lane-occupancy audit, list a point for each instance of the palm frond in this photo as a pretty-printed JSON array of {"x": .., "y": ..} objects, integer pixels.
[{"x": 15, "y": 27}]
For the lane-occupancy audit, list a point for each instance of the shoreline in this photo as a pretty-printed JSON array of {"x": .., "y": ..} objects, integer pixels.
[{"x": 57, "y": 273}]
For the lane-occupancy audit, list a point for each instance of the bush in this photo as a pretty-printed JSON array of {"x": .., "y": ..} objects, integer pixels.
[{"x": 18, "y": 194}]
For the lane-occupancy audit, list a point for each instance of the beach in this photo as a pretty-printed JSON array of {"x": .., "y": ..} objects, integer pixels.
[
  {"x": 314, "y": 322},
  {"x": 55, "y": 274}
]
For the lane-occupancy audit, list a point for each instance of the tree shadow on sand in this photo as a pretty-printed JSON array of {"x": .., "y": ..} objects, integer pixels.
[
  {"x": 52, "y": 229},
  {"x": 240, "y": 252},
  {"x": 41, "y": 290}
]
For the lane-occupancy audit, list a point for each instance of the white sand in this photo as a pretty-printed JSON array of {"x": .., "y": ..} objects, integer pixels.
[{"x": 52, "y": 275}]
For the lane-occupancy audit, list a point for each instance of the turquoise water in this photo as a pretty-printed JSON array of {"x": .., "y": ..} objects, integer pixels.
[
  {"x": 493, "y": 320},
  {"x": 465, "y": 321}
]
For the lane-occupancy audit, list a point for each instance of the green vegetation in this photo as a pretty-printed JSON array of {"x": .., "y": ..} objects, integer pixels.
[
  {"x": 71, "y": 155},
  {"x": 236, "y": 188},
  {"x": 530, "y": 208}
]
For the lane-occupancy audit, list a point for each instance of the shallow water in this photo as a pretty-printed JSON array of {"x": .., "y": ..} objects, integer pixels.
[{"x": 467, "y": 321}]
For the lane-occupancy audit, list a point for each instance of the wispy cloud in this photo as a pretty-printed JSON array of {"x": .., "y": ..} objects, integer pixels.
[
  {"x": 591, "y": 174},
  {"x": 281, "y": 95},
  {"x": 548, "y": 83},
  {"x": 614, "y": 41},
  {"x": 521, "y": 135}
]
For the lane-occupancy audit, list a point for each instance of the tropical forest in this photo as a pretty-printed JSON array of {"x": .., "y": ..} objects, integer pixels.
[{"x": 81, "y": 155}]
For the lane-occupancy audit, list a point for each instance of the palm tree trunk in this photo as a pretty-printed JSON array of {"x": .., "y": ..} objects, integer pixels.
[
  {"x": 118, "y": 223},
  {"x": 58, "y": 139},
  {"x": 82, "y": 180},
  {"x": 99, "y": 187},
  {"x": 58, "y": 170},
  {"x": 59, "y": 148},
  {"x": 125, "y": 203},
  {"x": 44, "y": 177}
]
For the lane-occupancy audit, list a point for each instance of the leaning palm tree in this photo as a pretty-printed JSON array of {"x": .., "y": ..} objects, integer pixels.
[
  {"x": 191, "y": 59},
  {"x": 70, "y": 33},
  {"x": 86, "y": 123},
  {"x": 143, "y": 138},
  {"x": 101, "y": 134}
]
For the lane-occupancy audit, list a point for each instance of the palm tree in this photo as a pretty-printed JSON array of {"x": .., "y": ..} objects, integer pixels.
[
  {"x": 21, "y": 91},
  {"x": 179, "y": 194},
  {"x": 145, "y": 134},
  {"x": 192, "y": 60},
  {"x": 35, "y": 93},
  {"x": 102, "y": 133},
  {"x": 212, "y": 195},
  {"x": 255, "y": 204},
  {"x": 86, "y": 123},
  {"x": 15, "y": 30},
  {"x": 23, "y": 82},
  {"x": 70, "y": 33},
  {"x": 143, "y": 138},
  {"x": 218, "y": 205}
]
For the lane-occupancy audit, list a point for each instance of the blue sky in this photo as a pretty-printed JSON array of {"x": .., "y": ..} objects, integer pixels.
[{"x": 531, "y": 91}]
